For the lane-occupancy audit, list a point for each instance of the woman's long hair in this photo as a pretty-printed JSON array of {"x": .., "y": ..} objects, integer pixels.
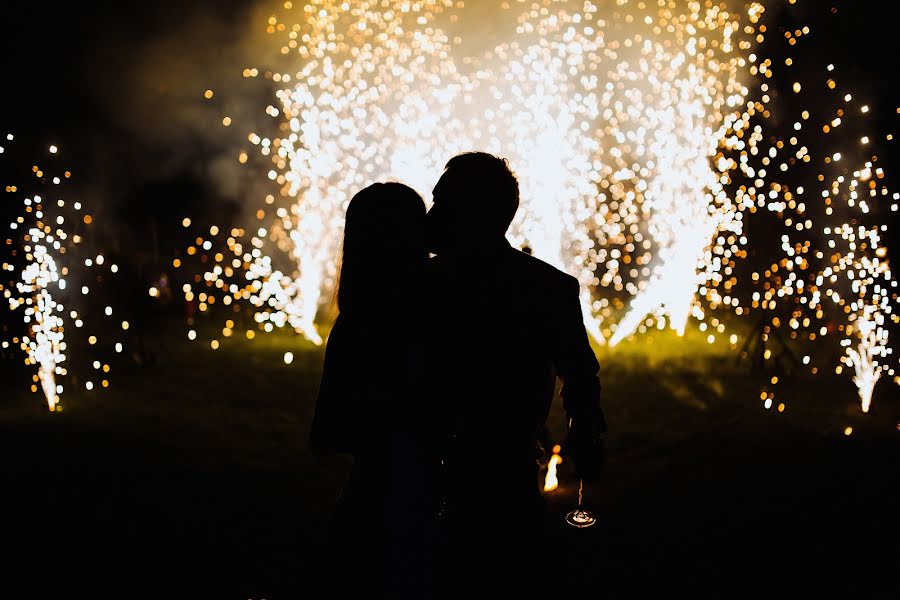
[{"x": 384, "y": 247}]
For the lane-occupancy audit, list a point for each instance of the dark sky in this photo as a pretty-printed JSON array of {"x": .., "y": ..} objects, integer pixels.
[
  {"x": 63, "y": 63},
  {"x": 118, "y": 86}
]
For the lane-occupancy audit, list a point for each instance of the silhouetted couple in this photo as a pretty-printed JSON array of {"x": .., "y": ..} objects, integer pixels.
[{"x": 439, "y": 376}]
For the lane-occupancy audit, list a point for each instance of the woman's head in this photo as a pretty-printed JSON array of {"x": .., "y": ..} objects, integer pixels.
[{"x": 384, "y": 245}]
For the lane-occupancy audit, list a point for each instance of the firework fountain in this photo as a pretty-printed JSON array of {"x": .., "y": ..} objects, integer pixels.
[
  {"x": 45, "y": 344},
  {"x": 53, "y": 258},
  {"x": 869, "y": 303}
]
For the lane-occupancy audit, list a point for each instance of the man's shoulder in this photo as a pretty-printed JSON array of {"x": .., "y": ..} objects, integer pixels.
[
  {"x": 525, "y": 268},
  {"x": 541, "y": 272}
]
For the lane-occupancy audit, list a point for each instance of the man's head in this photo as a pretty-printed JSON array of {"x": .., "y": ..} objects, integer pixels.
[{"x": 475, "y": 200}]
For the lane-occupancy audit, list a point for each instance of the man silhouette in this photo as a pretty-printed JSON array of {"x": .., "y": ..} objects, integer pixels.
[{"x": 504, "y": 326}]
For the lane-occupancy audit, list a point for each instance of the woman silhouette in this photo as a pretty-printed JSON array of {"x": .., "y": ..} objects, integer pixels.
[{"x": 384, "y": 523}]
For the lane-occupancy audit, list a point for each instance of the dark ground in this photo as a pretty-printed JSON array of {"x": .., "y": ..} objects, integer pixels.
[{"x": 190, "y": 478}]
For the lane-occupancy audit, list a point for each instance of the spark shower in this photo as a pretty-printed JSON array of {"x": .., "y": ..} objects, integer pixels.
[
  {"x": 610, "y": 122},
  {"x": 642, "y": 136}
]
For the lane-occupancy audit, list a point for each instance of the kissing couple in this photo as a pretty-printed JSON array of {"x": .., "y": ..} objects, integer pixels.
[{"x": 439, "y": 376}]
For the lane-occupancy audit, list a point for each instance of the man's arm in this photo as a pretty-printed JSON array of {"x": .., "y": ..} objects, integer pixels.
[{"x": 577, "y": 366}]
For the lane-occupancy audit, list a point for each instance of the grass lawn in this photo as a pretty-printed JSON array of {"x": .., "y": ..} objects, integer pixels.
[{"x": 190, "y": 477}]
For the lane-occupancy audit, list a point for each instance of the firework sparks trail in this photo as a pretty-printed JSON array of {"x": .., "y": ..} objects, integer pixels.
[
  {"x": 695, "y": 107},
  {"x": 684, "y": 218}
]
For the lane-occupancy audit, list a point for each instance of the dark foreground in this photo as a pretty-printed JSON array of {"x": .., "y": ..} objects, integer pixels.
[{"x": 190, "y": 478}]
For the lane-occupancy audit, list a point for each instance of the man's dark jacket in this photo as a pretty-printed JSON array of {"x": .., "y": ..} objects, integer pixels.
[{"x": 503, "y": 326}]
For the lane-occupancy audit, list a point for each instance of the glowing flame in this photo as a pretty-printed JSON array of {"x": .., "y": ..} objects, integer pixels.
[{"x": 550, "y": 481}]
